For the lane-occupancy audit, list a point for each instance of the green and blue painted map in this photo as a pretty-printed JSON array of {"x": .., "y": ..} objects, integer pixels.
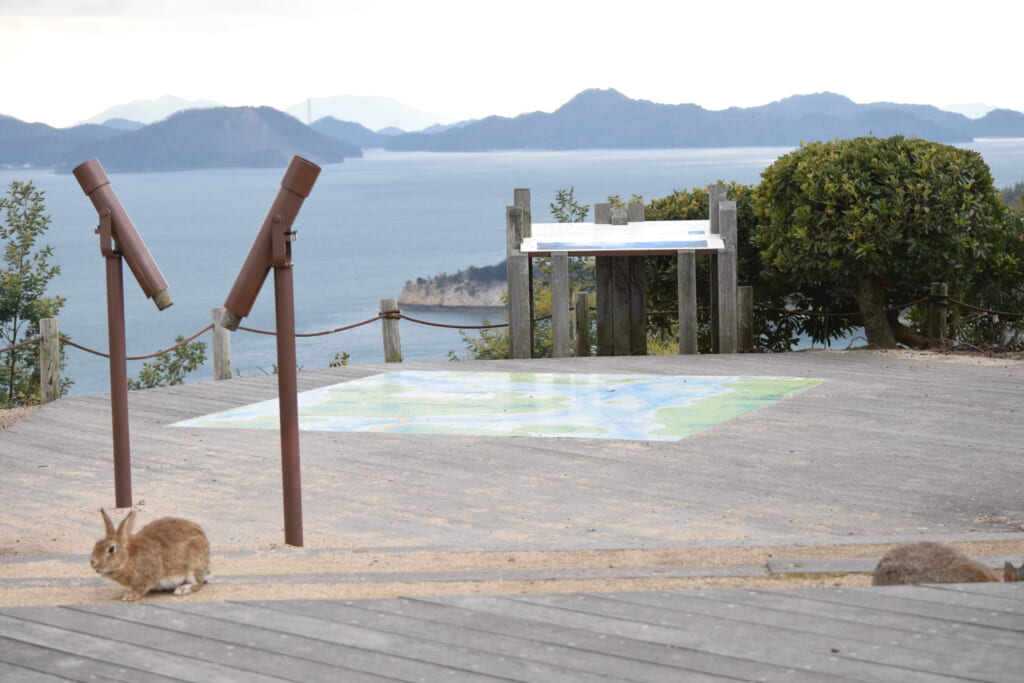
[{"x": 590, "y": 406}]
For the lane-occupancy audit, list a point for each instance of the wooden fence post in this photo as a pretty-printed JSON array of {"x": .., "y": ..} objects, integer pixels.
[
  {"x": 937, "y": 309},
  {"x": 603, "y": 287},
  {"x": 621, "y": 324},
  {"x": 221, "y": 346},
  {"x": 687, "y": 279},
  {"x": 727, "y": 264},
  {"x": 518, "y": 276},
  {"x": 745, "y": 324},
  {"x": 49, "y": 360},
  {"x": 581, "y": 302},
  {"x": 521, "y": 200},
  {"x": 716, "y": 195},
  {"x": 389, "y": 329},
  {"x": 559, "y": 304}
]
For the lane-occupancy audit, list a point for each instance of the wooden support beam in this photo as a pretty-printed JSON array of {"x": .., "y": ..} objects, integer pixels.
[
  {"x": 390, "y": 332},
  {"x": 687, "y": 277},
  {"x": 49, "y": 360},
  {"x": 559, "y": 304},
  {"x": 518, "y": 277},
  {"x": 745, "y": 305},
  {"x": 605, "y": 315},
  {"x": 581, "y": 303},
  {"x": 728, "y": 328},
  {"x": 221, "y": 345},
  {"x": 716, "y": 195}
]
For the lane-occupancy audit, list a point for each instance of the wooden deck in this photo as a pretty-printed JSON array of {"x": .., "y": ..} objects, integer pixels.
[
  {"x": 891, "y": 447},
  {"x": 916, "y": 633}
]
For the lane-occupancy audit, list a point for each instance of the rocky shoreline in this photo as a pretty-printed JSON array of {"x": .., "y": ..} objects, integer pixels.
[{"x": 459, "y": 294}]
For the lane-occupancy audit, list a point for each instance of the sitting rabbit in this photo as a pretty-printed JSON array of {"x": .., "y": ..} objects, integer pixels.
[
  {"x": 167, "y": 554},
  {"x": 928, "y": 562}
]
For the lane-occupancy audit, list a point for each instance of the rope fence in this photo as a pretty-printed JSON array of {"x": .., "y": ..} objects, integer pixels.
[{"x": 392, "y": 315}]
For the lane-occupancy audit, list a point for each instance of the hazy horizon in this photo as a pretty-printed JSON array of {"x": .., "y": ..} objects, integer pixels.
[
  {"x": 70, "y": 59},
  {"x": 159, "y": 108}
]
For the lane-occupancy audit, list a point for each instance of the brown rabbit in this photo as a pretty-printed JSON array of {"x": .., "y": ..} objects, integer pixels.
[
  {"x": 167, "y": 554},
  {"x": 928, "y": 562}
]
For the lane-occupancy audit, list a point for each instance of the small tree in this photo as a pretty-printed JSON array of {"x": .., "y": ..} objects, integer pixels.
[
  {"x": 566, "y": 209},
  {"x": 171, "y": 367},
  {"x": 493, "y": 344},
  {"x": 25, "y": 272},
  {"x": 877, "y": 220}
]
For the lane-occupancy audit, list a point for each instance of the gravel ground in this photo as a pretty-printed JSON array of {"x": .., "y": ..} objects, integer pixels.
[{"x": 12, "y": 415}]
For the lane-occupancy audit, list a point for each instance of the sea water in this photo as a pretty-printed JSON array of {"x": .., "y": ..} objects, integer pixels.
[{"x": 368, "y": 226}]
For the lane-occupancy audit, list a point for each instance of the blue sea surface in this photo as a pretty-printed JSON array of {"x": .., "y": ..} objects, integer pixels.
[{"x": 368, "y": 226}]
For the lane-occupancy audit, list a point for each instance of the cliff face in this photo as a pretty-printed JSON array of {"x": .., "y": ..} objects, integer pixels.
[{"x": 453, "y": 294}]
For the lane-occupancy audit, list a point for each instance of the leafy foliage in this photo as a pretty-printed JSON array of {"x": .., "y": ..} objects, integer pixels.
[
  {"x": 479, "y": 274},
  {"x": 492, "y": 344},
  {"x": 171, "y": 367},
  {"x": 25, "y": 273},
  {"x": 566, "y": 209},
  {"x": 871, "y": 222},
  {"x": 775, "y": 329}
]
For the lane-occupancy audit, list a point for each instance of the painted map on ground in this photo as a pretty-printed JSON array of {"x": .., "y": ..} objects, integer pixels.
[{"x": 590, "y": 406}]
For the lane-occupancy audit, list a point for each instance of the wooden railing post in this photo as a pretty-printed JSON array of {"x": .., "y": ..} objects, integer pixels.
[
  {"x": 49, "y": 360},
  {"x": 559, "y": 304},
  {"x": 518, "y": 277},
  {"x": 221, "y": 346},
  {"x": 619, "y": 280},
  {"x": 687, "y": 285},
  {"x": 716, "y": 195},
  {"x": 581, "y": 302},
  {"x": 745, "y": 297},
  {"x": 389, "y": 328},
  {"x": 937, "y": 309},
  {"x": 727, "y": 276}
]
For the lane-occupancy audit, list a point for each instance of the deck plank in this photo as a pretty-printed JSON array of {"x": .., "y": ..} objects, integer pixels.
[
  {"x": 892, "y": 646},
  {"x": 594, "y": 647},
  {"x": 521, "y": 656},
  {"x": 657, "y": 637},
  {"x": 41, "y": 626},
  {"x": 22, "y": 661},
  {"x": 818, "y": 604}
]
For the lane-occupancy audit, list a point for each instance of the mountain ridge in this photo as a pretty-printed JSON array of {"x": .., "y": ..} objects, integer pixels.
[
  {"x": 593, "y": 119},
  {"x": 224, "y": 137}
]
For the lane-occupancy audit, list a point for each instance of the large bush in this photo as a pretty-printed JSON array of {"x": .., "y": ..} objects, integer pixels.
[{"x": 877, "y": 220}]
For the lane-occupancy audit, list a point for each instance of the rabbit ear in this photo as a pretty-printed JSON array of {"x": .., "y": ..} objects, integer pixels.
[
  {"x": 107, "y": 523},
  {"x": 1011, "y": 573},
  {"x": 124, "y": 529}
]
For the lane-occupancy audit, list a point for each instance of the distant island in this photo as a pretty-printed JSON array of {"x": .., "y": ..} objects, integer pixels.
[
  {"x": 470, "y": 289},
  {"x": 596, "y": 119},
  {"x": 262, "y": 137},
  {"x": 220, "y": 137}
]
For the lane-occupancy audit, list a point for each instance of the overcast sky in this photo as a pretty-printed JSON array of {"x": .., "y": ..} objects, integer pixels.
[{"x": 63, "y": 61}]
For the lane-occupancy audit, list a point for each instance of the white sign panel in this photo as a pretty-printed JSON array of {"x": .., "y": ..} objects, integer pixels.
[{"x": 641, "y": 237}]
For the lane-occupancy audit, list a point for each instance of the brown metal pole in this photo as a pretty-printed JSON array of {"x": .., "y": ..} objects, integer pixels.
[
  {"x": 288, "y": 400},
  {"x": 272, "y": 249},
  {"x": 118, "y": 382}
]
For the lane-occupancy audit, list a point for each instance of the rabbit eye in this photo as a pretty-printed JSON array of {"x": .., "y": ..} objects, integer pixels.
[{"x": 111, "y": 549}]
